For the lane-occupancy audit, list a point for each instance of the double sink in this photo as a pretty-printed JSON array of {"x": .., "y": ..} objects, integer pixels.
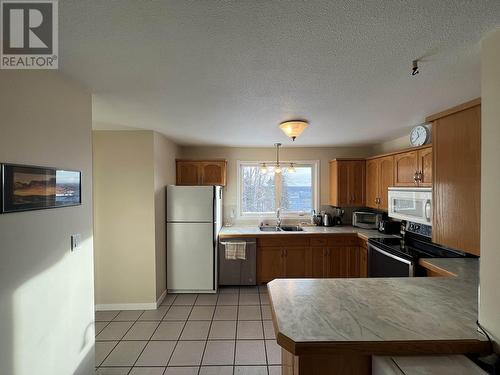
[{"x": 283, "y": 228}]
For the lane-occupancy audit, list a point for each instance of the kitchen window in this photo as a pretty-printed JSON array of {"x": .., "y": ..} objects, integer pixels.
[{"x": 260, "y": 194}]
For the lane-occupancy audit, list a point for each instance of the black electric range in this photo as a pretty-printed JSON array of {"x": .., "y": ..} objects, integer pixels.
[{"x": 398, "y": 256}]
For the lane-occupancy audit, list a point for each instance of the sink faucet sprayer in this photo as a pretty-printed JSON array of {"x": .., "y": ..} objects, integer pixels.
[{"x": 278, "y": 217}]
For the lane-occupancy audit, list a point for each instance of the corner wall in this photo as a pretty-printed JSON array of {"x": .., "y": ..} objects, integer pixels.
[
  {"x": 131, "y": 169},
  {"x": 489, "y": 301},
  {"x": 124, "y": 227},
  {"x": 46, "y": 291},
  {"x": 165, "y": 153}
]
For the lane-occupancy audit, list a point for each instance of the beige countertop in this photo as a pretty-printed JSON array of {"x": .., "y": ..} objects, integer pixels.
[
  {"x": 254, "y": 231},
  {"x": 380, "y": 315}
]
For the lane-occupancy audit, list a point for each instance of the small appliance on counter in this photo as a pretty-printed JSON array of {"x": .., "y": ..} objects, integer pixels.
[
  {"x": 338, "y": 215},
  {"x": 317, "y": 219},
  {"x": 328, "y": 220},
  {"x": 389, "y": 226},
  {"x": 366, "y": 220}
]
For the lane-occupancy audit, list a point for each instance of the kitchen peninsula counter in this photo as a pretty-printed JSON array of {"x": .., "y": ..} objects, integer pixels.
[{"x": 324, "y": 323}]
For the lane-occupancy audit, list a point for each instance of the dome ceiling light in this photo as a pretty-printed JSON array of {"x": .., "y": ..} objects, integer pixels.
[{"x": 293, "y": 128}]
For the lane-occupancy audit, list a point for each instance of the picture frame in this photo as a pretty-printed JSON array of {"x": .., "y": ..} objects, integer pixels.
[{"x": 28, "y": 188}]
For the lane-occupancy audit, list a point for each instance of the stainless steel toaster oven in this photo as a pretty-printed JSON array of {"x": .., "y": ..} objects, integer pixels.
[{"x": 366, "y": 220}]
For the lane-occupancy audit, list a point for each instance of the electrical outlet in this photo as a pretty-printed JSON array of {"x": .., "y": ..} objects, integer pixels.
[{"x": 75, "y": 242}]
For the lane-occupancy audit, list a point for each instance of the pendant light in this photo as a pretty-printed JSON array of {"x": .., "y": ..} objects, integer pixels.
[
  {"x": 263, "y": 168},
  {"x": 278, "y": 168},
  {"x": 293, "y": 128}
]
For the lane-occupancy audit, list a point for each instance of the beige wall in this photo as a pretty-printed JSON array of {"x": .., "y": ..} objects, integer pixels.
[
  {"x": 489, "y": 303},
  {"x": 131, "y": 169},
  {"x": 165, "y": 153},
  {"x": 46, "y": 291},
  {"x": 396, "y": 144},
  {"x": 233, "y": 154},
  {"x": 124, "y": 218}
]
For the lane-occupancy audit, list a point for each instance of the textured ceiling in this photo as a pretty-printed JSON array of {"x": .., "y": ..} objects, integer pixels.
[{"x": 227, "y": 72}]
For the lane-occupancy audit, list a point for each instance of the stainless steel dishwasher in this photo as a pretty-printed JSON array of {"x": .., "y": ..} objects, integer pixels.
[{"x": 238, "y": 271}]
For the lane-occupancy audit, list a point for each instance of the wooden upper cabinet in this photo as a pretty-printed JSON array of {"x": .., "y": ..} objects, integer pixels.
[
  {"x": 213, "y": 173},
  {"x": 357, "y": 182},
  {"x": 386, "y": 180},
  {"x": 457, "y": 178},
  {"x": 188, "y": 173},
  {"x": 405, "y": 168},
  {"x": 379, "y": 177},
  {"x": 201, "y": 172},
  {"x": 425, "y": 166},
  {"x": 347, "y": 183},
  {"x": 372, "y": 182},
  {"x": 413, "y": 168}
]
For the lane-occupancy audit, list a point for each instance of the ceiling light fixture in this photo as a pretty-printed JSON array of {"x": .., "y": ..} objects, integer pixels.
[
  {"x": 276, "y": 167},
  {"x": 263, "y": 168},
  {"x": 293, "y": 128}
]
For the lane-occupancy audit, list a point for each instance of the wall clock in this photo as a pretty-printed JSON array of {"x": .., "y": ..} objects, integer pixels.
[{"x": 419, "y": 135}]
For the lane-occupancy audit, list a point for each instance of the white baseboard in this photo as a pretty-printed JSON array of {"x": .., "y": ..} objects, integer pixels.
[
  {"x": 162, "y": 297},
  {"x": 131, "y": 306}
]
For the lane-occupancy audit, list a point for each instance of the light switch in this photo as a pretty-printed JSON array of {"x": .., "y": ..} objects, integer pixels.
[{"x": 75, "y": 242}]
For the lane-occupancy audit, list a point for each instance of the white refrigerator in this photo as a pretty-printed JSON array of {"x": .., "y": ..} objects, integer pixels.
[{"x": 194, "y": 218}]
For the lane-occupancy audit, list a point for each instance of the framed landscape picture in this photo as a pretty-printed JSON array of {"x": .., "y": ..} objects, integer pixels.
[{"x": 27, "y": 188}]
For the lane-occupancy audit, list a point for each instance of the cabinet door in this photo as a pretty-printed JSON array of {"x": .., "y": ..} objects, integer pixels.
[
  {"x": 457, "y": 180},
  {"x": 269, "y": 263},
  {"x": 343, "y": 195},
  {"x": 318, "y": 264},
  {"x": 425, "y": 166},
  {"x": 213, "y": 173},
  {"x": 405, "y": 167},
  {"x": 188, "y": 173},
  {"x": 295, "y": 262},
  {"x": 363, "y": 261},
  {"x": 354, "y": 262},
  {"x": 372, "y": 177},
  {"x": 356, "y": 186},
  {"x": 386, "y": 179},
  {"x": 338, "y": 262}
]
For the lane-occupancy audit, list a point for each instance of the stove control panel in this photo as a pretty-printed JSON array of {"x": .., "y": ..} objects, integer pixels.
[{"x": 421, "y": 229}]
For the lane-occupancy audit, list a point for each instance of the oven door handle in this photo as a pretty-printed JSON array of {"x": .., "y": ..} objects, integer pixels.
[
  {"x": 392, "y": 255},
  {"x": 411, "y": 264}
]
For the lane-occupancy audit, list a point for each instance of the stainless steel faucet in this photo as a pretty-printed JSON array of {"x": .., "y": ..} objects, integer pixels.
[{"x": 278, "y": 217}]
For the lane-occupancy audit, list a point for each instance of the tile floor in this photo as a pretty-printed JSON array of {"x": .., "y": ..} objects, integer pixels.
[{"x": 223, "y": 334}]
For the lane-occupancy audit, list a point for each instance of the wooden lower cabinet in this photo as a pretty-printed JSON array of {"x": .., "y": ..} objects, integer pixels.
[
  {"x": 363, "y": 259},
  {"x": 269, "y": 263},
  {"x": 294, "y": 260},
  {"x": 318, "y": 264},
  {"x": 343, "y": 262},
  {"x": 313, "y": 257}
]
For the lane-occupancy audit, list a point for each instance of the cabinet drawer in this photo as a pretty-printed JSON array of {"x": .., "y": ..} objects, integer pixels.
[
  {"x": 319, "y": 241},
  {"x": 280, "y": 240},
  {"x": 343, "y": 241}
]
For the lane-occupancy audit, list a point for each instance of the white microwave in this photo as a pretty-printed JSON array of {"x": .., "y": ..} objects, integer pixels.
[{"x": 411, "y": 204}]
